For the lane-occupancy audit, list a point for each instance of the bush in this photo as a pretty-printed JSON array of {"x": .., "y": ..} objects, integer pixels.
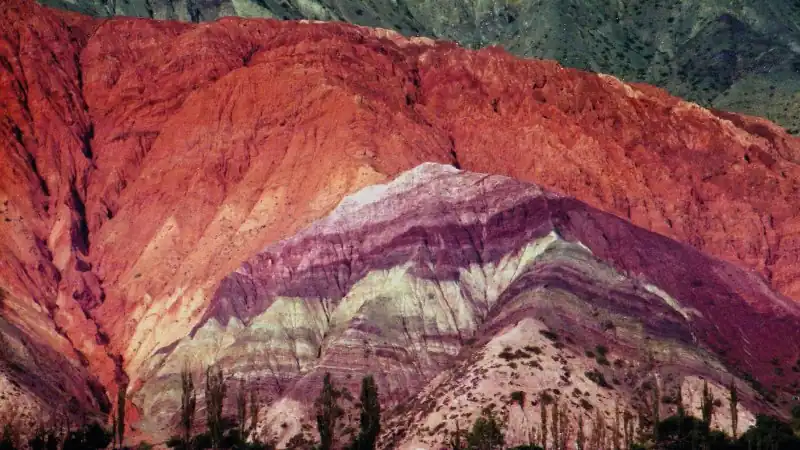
[
  {"x": 598, "y": 378},
  {"x": 486, "y": 433},
  {"x": 549, "y": 335},
  {"x": 92, "y": 436},
  {"x": 518, "y": 397}
]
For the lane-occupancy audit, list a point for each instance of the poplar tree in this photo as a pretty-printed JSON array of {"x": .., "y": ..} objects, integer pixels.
[
  {"x": 241, "y": 407},
  {"x": 215, "y": 398},
  {"x": 581, "y": 439},
  {"x": 656, "y": 410},
  {"x": 328, "y": 412},
  {"x": 554, "y": 426},
  {"x": 615, "y": 434},
  {"x": 627, "y": 425},
  {"x": 119, "y": 423},
  {"x": 707, "y": 404},
  {"x": 188, "y": 405},
  {"x": 734, "y": 408},
  {"x": 544, "y": 422},
  {"x": 563, "y": 427},
  {"x": 254, "y": 408},
  {"x": 370, "y": 414}
]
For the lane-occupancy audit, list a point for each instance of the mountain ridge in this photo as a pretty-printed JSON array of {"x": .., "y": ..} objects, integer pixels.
[{"x": 742, "y": 56}]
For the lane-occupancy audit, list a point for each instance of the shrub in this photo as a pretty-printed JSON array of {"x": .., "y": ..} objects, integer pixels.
[
  {"x": 598, "y": 378},
  {"x": 534, "y": 349},
  {"x": 486, "y": 433},
  {"x": 549, "y": 334},
  {"x": 518, "y": 397}
]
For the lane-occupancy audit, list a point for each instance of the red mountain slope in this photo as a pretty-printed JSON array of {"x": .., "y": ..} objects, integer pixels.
[{"x": 141, "y": 162}]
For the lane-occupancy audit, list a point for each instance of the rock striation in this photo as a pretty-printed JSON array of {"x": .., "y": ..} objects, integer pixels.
[
  {"x": 143, "y": 162},
  {"x": 445, "y": 270}
]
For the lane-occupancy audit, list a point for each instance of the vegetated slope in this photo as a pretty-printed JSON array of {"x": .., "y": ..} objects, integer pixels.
[
  {"x": 399, "y": 277},
  {"x": 143, "y": 161},
  {"x": 741, "y": 56}
]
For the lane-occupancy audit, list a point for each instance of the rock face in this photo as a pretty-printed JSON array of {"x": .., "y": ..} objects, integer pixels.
[
  {"x": 742, "y": 56},
  {"x": 143, "y": 162},
  {"x": 440, "y": 265}
]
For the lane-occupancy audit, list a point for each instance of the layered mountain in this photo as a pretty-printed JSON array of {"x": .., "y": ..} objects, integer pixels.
[
  {"x": 740, "y": 56},
  {"x": 169, "y": 192},
  {"x": 500, "y": 285}
]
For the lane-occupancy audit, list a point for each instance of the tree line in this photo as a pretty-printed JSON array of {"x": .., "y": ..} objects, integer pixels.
[
  {"x": 223, "y": 433},
  {"x": 237, "y": 431},
  {"x": 681, "y": 431}
]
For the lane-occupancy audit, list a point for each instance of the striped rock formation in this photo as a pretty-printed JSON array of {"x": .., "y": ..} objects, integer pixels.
[
  {"x": 485, "y": 285},
  {"x": 142, "y": 163}
]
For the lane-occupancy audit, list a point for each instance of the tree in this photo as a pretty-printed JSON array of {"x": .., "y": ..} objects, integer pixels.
[
  {"x": 91, "y": 436},
  {"x": 370, "y": 415},
  {"x": 734, "y": 408},
  {"x": 9, "y": 439},
  {"x": 543, "y": 434},
  {"x": 563, "y": 428},
  {"x": 554, "y": 426},
  {"x": 656, "y": 410},
  {"x": 598, "y": 439},
  {"x": 188, "y": 405},
  {"x": 770, "y": 433},
  {"x": 707, "y": 404},
  {"x": 627, "y": 425},
  {"x": 241, "y": 406},
  {"x": 486, "y": 433},
  {"x": 580, "y": 441},
  {"x": 39, "y": 440},
  {"x": 119, "y": 422},
  {"x": 615, "y": 434},
  {"x": 455, "y": 439},
  {"x": 328, "y": 412},
  {"x": 215, "y": 398},
  {"x": 254, "y": 408},
  {"x": 680, "y": 433}
]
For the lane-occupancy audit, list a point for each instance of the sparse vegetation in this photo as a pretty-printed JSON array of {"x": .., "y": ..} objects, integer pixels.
[
  {"x": 486, "y": 433},
  {"x": 549, "y": 335},
  {"x": 598, "y": 378}
]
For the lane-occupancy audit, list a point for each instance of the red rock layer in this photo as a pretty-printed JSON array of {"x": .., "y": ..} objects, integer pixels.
[{"x": 145, "y": 160}]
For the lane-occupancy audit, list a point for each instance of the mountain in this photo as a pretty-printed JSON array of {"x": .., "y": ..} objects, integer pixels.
[
  {"x": 401, "y": 279},
  {"x": 171, "y": 190},
  {"x": 740, "y": 56}
]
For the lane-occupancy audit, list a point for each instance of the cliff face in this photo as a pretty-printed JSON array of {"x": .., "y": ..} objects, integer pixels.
[{"x": 143, "y": 162}]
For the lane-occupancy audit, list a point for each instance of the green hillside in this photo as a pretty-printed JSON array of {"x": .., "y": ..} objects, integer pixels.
[{"x": 740, "y": 55}]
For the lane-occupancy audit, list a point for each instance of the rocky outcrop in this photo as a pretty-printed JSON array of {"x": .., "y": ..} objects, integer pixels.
[{"x": 144, "y": 161}]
